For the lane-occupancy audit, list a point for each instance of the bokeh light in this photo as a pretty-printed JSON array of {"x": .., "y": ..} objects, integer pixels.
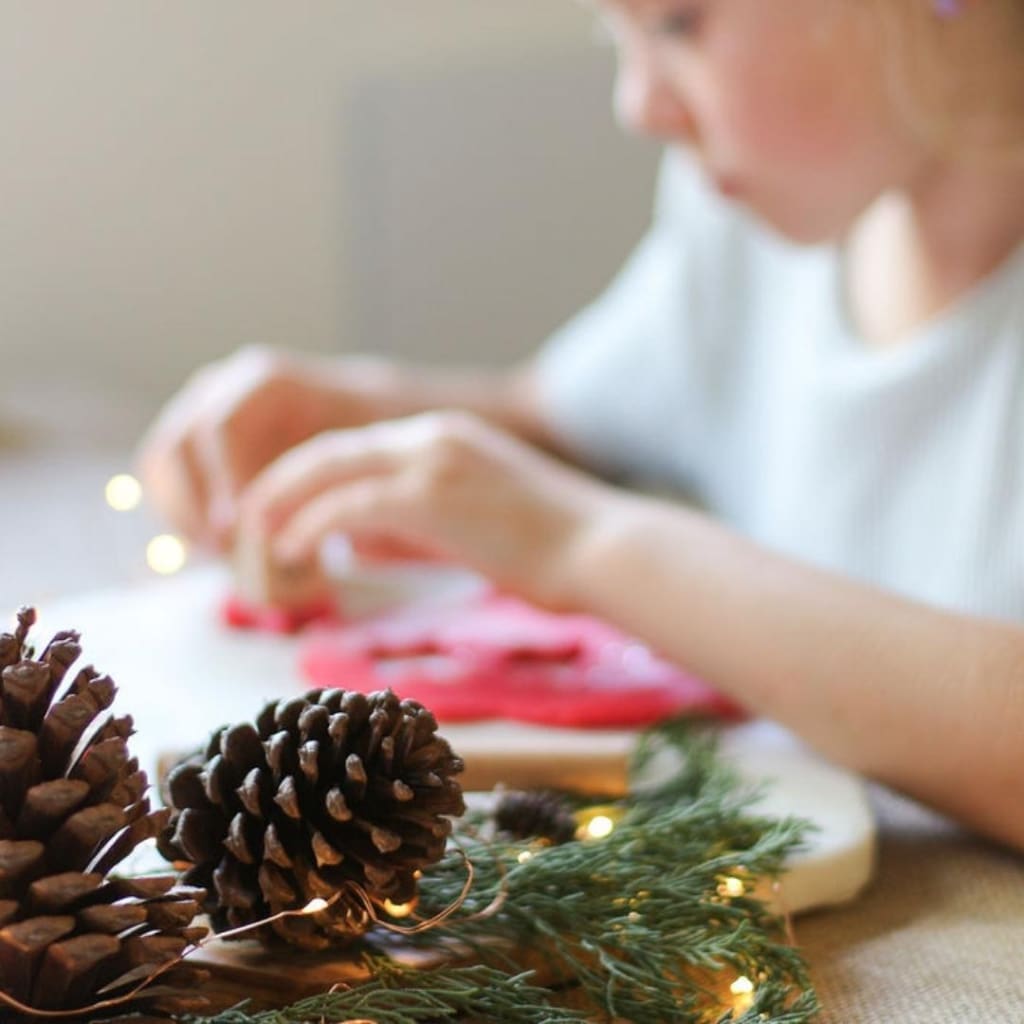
[
  {"x": 166, "y": 554},
  {"x": 123, "y": 492}
]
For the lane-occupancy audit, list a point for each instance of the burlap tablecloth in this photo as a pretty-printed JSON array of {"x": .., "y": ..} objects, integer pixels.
[{"x": 937, "y": 937}]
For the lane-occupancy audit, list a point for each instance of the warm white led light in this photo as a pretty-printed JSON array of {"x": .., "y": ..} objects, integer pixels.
[
  {"x": 600, "y": 826},
  {"x": 315, "y": 906},
  {"x": 165, "y": 554},
  {"x": 731, "y": 887},
  {"x": 742, "y": 990},
  {"x": 123, "y": 492},
  {"x": 398, "y": 909}
]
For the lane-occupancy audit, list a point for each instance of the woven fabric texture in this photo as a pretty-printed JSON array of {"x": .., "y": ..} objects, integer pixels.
[{"x": 938, "y": 937}]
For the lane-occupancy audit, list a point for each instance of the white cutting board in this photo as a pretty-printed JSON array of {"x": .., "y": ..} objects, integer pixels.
[{"x": 180, "y": 674}]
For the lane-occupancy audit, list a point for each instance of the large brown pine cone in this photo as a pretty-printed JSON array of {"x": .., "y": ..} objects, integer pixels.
[
  {"x": 327, "y": 796},
  {"x": 73, "y": 806}
]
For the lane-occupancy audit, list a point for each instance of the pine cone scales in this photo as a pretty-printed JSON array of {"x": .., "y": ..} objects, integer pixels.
[
  {"x": 325, "y": 793},
  {"x": 72, "y": 806},
  {"x": 536, "y": 814}
]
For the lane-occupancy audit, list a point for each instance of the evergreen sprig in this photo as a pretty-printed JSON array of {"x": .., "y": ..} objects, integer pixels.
[
  {"x": 398, "y": 995},
  {"x": 628, "y": 928}
]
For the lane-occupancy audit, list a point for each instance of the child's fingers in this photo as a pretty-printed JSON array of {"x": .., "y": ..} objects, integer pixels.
[
  {"x": 370, "y": 511},
  {"x": 373, "y": 548},
  {"x": 298, "y": 477},
  {"x": 219, "y": 480},
  {"x": 176, "y": 488},
  {"x": 174, "y": 483},
  {"x": 173, "y": 469}
]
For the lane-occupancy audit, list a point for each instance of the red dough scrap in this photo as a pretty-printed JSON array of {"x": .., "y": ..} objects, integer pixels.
[
  {"x": 238, "y": 613},
  {"x": 501, "y": 658}
]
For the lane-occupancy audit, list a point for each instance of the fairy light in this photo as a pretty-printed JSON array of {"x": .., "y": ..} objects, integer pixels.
[
  {"x": 597, "y": 822},
  {"x": 166, "y": 554},
  {"x": 524, "y": 856},
  {"x": 600, "y": 826},
  {"x": 123, "y": 492},
  {"x": 742, "y": 990},
  {"x": 399, "y": 909},
  {"x": 731, "y": 887},
  {"x": 314, "y": 906}
]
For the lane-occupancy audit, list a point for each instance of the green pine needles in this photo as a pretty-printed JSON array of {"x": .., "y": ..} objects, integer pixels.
[{"x": 650, "y": 924}]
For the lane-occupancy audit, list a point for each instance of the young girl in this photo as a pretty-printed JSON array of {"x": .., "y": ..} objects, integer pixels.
[{"x": 821, "y": 339}]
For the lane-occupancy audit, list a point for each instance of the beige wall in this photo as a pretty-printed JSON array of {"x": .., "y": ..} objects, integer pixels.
[{"x": 179, "y": 177}]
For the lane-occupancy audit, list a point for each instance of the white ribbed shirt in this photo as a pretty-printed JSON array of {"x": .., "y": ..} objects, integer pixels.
[{"x": 720, "y": 363}]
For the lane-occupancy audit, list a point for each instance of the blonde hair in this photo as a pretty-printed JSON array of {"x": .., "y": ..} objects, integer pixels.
[{"x": 959, "y": 75}]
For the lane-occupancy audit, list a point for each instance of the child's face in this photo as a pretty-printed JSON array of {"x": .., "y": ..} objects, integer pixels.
[{"x": 784, "y": 101}]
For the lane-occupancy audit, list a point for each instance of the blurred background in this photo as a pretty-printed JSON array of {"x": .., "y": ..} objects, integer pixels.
[{"x": 436, "y": 178}]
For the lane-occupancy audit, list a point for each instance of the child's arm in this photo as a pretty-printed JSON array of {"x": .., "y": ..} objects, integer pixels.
[{"x": 929, "y": 702}]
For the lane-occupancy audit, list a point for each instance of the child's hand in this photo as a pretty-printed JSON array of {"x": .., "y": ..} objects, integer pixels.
[
  {"x": 233, "y": 418},
  {"x": 439, "y": 485}
]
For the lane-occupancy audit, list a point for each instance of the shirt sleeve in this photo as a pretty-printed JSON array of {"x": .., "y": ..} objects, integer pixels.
[{"x": 615, "y": 383}]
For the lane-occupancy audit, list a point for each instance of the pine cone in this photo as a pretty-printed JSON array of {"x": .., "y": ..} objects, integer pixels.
[
  {"x": 536, "y": 814},
  {"x": 72, "y": 806},
  {"x": 327, "y": 796}
]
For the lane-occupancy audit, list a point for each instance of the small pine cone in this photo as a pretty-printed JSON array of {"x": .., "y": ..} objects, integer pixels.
[
  {"x": 326, "y": 796},
  {"x": 535, "y": 814},
  {"x": 72, "y": 807}
]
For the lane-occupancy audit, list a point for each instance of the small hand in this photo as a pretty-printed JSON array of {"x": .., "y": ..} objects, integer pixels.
[
  {"x": 230, "y": 420},
  {"x": 438, "y": 486}
]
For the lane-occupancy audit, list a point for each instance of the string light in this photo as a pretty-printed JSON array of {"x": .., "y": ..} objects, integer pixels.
[
  {"x": 731, "y": 887},
  {"x": 123, "y": 492},
  {"x": 399, "y": 909},
  {"x": 166, "y": 554},
  {"x": 597, "y": 822},
  {"x": 524, "y": 856},
  {"x": 600, "y": 826},
  {"x": 742, "y": 990}
]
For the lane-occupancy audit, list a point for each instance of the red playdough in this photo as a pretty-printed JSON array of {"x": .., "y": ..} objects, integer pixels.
[
  {"x": 501, "y": 658},
  {"x": 241, "y": 614}
]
